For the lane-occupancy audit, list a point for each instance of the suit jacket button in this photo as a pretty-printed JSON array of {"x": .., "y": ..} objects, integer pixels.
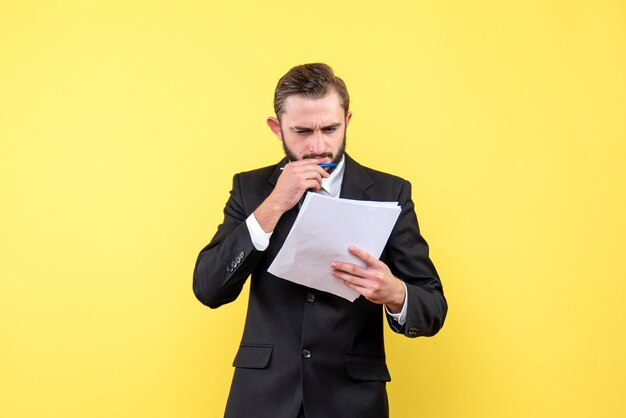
[
  {"x": 306, "y": 353},
  {"x": 242, "y": 254},
  {"x": 233, "y": 264},
  {"x": 238, "y": 259},
  {"x": 230, "y": 269},
  {"x": 310, "y": 297}
]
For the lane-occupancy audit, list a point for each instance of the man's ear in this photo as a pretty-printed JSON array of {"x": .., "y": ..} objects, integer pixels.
[
  {"x": 348, "y": 117},
  {"x": 274, "y": 125}
]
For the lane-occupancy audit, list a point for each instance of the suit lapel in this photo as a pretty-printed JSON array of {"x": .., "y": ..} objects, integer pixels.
[{"x": 356, "y": 182}]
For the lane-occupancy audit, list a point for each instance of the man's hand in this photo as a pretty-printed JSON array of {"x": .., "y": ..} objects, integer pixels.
[
  {"x": 297, "y": 177},
  {"x": 375, "y": 282}
]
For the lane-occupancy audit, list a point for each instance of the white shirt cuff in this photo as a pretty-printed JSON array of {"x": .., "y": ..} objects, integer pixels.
[
  {"x": 400, "y": 318},
  {"x": 260, "y": 239}
]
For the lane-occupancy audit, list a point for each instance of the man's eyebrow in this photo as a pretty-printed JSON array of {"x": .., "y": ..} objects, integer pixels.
[{"x": 302, "y": 128}]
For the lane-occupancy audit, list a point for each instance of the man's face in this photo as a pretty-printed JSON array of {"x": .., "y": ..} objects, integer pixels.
[{"x": 311, "y": 128}]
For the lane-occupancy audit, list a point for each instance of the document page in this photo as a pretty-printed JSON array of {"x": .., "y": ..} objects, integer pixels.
[{"x": 323, "y": 231}]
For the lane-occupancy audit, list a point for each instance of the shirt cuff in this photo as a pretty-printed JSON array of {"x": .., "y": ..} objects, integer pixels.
[
  {"x": 400, "y": 318},
  {"x": 260, "y": 238}
]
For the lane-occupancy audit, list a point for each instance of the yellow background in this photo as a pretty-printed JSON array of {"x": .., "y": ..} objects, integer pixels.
[{"x": 122, "y": 123}]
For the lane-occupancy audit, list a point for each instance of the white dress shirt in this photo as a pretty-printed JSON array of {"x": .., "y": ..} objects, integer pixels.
[{"x": 331, "y": 186}]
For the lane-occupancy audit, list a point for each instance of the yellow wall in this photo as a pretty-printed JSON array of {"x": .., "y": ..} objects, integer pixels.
[{"x": 122, "y": 123}]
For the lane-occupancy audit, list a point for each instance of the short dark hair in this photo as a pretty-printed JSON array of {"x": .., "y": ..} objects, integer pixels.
[{"x": 311, "y": 81}]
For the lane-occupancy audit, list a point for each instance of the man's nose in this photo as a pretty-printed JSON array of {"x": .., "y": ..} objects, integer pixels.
[{"x": 316, "y": 146}]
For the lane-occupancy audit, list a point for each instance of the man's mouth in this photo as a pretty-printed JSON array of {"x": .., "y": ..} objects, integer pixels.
[{"x": 323, "y": 155}]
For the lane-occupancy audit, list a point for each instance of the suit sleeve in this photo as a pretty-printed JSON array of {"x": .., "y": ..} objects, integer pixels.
[
  {"x": 227, "y": 261},
  {"x": 407, "y": 256}
]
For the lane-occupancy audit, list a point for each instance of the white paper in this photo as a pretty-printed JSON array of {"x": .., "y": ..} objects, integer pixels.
[{"x": 323, "y": 231}]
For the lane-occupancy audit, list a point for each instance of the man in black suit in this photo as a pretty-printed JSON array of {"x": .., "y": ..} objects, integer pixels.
[{"x": 306, "y": 352}]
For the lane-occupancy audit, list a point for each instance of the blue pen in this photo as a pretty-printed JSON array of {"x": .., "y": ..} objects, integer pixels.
[{"x": 323, "y": 165}]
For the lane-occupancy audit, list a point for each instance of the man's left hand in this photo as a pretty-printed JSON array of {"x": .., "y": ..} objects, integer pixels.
[{"x": 375, "y": 282}]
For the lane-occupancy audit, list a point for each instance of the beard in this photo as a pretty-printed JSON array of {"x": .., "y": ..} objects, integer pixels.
[{"x": 335, "y": 158}]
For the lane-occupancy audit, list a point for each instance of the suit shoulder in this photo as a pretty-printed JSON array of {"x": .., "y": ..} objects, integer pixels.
[
  {"x": 384, "y": 178},
  {"x": 256, "y": 176},
  {"x": 258, "y": 172}
]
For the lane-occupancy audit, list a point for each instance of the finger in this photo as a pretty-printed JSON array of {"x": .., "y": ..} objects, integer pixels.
[
  {"x": 313, "y": 175},
  {"x": 308, "y": 172},
  {"x": 322, "y": 171},
  {"x": 303, "y": 178},
  {"x": 314, "y": 170},
  {"x": 314, "y": 185},
  {"x": 352, "y": 281},
  {"x": 306, "y": 161},
  {"x": 363, "y": 255},
  {"x": 365, "y": 291},
  {"x": 310, "y": 163},
  {"x": 360, "y": 290},
  {"x": 349, "y": 268},
  {"x": 297, "y": 167}
]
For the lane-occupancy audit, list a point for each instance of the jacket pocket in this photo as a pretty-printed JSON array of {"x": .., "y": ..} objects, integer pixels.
[
  {"x": 367, "y": 368},
  {"x": 253, "y": 356}
]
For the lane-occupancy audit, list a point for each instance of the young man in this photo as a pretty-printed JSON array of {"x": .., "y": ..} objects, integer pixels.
[{"x": 306, "y": 352}]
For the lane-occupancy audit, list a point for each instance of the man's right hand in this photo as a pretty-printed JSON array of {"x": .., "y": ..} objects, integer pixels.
[{"x": 297, "y": 177}]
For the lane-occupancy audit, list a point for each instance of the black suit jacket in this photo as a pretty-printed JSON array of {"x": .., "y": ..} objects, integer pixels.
[{"x": 302, "y": 346}]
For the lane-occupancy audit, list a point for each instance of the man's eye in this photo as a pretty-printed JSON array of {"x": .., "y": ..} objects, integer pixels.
[
  {"x": 302, "y": 132},
  {"x": 329, "y": 130}
]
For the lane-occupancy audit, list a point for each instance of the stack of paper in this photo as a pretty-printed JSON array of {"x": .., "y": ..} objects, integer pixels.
[{"x": 323, "y": 231}]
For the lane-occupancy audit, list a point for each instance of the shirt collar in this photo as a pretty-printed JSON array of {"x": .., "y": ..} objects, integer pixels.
[{"x": 332, "y": 184}]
